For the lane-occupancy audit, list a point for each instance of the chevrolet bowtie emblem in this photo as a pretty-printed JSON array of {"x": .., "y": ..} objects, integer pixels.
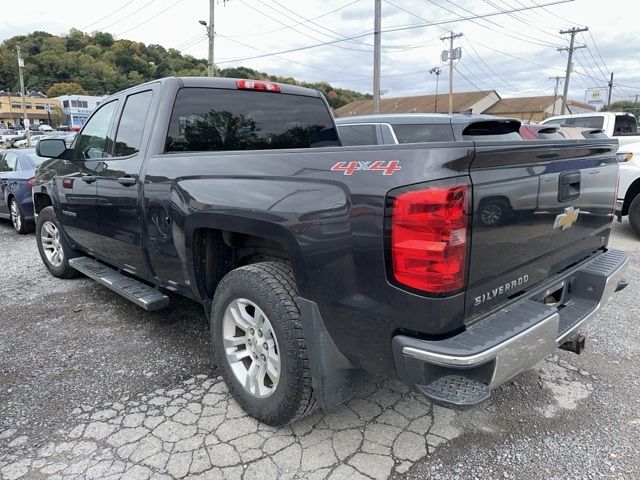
[{"x": 567, "y": 219}]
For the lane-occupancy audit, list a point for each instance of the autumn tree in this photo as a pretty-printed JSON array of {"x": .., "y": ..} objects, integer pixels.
[{"x": 65, "y": 88}]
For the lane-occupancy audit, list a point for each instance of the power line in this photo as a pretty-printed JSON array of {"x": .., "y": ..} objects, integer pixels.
[
  {"x": 468, "y": 81},
  {"x": 125, "y": 5},
  {"x": 399, "y": 28},
  {"x": 129, "y": 15},
  {"x": 343, "y": 39},
  {"x": 514, "y": 15},
  {"x": 293, "y": 24},
  {"x": 176, "y": 2},
  {"x": 532, "y": 40}
]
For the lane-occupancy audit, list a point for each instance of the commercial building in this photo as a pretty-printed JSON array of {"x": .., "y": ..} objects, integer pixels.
[
  {"x": 473, "y": 102},
  {"x": 530, "y": 109},
  {"x": 78, "y": 108},
  {"x": 37, "y": 104}
]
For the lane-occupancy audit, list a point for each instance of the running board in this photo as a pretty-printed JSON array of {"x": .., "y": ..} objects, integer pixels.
[{"x": 139, "y": 293}]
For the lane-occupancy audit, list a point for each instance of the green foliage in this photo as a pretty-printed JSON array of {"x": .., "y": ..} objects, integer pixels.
[
  {"x": 100, "y": 65},
  {"x": 57, "y": 116},
  {"x": 623, "y": 106},
  {"x": 65, "y": 88}
]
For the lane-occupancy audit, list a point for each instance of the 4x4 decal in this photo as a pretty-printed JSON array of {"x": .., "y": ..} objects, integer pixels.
[{"x": 348, "y": 168}]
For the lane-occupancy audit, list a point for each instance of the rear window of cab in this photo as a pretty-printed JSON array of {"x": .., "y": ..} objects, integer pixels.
[{"x": 211, "y": 119}]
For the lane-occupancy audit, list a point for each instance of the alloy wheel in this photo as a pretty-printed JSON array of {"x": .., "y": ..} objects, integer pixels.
[
  {"x": 50, "y": 238},
  {"x": 15, "y": 216},
  {"x": 251, "y": 347}
]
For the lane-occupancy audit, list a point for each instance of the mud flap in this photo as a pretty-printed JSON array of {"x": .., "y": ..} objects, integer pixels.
[{"x": 334, "y": 379}]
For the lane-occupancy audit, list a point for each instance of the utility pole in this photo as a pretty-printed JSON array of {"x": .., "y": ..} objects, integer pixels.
[
  {"x": 573, "y": 31},
  {"x": 211, "y": 34},
  {"x": 555, "y": 92},
  {"x": 22, "y": 95},
  {"x": 636, "y": 102},
  {"x": 437, "y": 71},
  {"x": 377, "y": 26},
  {"x": 610, "y": 89},
  {"x": 451, "y": 54}
]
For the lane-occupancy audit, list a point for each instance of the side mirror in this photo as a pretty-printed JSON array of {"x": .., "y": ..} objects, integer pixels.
[{"x": 51, "y": 147}]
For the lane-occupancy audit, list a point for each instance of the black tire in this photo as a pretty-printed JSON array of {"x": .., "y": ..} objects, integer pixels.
[
  {"x": 21, "y": 224},
  {"x": 494, "y": 212},
  {"x": 634, "y": 215},
  {"x": 64, "y": 270},
  {"x": 270, "y": 286}
]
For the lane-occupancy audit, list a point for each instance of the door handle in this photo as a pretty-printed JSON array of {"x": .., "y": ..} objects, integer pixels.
[
  {"x": 88, "y": 178},
  {"x": 127, "y": 181}
]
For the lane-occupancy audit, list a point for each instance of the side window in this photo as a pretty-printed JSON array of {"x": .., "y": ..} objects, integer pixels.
[
  {"x": 358, "y": 135},
  {"x": 9, "y": 162},
  {"x": 93, "y": 142},
  {"x": 423, "y": 133},
  {"x": 132, "y": 121}
]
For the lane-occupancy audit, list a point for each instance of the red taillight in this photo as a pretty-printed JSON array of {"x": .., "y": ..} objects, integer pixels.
[
  {"x": 31, "y": 182},
  {"x": 429, "y": 238},
  {"x": 260, "y": 85}
]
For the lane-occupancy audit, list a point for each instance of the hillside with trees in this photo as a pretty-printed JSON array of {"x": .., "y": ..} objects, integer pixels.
[{"x": 97, "y": 64}]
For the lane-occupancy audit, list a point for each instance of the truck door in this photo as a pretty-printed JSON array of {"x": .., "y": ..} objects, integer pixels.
[
  {"x": 76, "y": 179},
  {"x": 119, "y": 186}
]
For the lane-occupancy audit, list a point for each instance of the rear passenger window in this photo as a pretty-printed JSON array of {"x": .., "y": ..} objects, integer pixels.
[
  {"x": 209, "y": 119},
  {"x": 423, "y": 133},
  {"x": 625, "y": 124},
  {"x": 585, "y": 122},
  {"x": 351, "y": 135},
  {"x": 132, "y": 122},
  {"x": 9, "y": 162}
]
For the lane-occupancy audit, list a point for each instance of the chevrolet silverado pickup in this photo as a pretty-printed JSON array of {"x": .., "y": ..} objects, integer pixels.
[{"x": 317, "y": 262}]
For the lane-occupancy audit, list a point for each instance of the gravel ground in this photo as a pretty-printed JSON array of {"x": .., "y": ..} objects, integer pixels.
[{"x": 93, "y": 387}]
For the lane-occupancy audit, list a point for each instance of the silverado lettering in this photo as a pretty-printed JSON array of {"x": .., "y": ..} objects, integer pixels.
[{"x": 502, "y": 289}]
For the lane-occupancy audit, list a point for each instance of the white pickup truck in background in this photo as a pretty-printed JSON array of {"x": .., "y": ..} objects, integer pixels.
[{"x": 624, "y": 127}]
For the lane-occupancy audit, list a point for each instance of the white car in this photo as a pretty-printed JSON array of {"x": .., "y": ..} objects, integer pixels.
[{"x": 45, "y": 128}]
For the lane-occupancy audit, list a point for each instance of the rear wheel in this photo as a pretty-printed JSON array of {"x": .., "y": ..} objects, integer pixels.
[
  {"x": 259, "y": 344},
  {"x": 20, "y": 223},
  {"x": 493, "y": 212},
  {"x": 634, "y": 215},
  {"x": 54, "y": 249}
]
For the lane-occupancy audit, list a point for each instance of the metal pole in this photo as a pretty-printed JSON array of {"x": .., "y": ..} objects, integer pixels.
[
  {"x": 377, "y": 26},
  {"x": 573, "y": 31},
  {"x": 22, "y": 95},
  {"x": 451, "y": 73},
  {"x": 436, "y": 71},
  {"x": 555, "y": 93},
  {"x": 610, "y": 88},
  {"x": 211, "y": 33}
]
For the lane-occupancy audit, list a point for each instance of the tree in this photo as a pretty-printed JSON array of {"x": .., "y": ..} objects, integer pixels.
[
  {"x": 57, "y": 116},
  {"x": 65, "y": 88},
  {"x": 623, "y": 106}
]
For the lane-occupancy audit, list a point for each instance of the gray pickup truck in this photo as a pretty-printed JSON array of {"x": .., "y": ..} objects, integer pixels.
[{"x": 315, "y": 262}]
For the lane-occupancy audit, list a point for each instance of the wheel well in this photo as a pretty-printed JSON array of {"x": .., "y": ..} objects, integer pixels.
[
  {"x": 40, "y": 201},
  {"x": 217, "y": 252},
  {"x": 632, "y": 192}
]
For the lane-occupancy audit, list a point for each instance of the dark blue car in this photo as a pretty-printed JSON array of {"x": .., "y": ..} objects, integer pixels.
[{"x": 17, "y": 169}]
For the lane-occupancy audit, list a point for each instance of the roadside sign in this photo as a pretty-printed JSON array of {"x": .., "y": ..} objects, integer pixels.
[{"x": 596, "y": 96}]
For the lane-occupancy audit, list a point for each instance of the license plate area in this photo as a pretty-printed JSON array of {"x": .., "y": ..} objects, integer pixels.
[{"x": 559, "y": 294}]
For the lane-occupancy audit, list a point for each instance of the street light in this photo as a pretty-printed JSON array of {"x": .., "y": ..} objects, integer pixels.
[
  {"x": 437, "y": 72},
  {"x": 210, "y": 34}
]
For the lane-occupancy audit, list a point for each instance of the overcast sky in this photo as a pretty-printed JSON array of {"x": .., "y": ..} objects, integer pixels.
[{"x": 513, "y": 53}]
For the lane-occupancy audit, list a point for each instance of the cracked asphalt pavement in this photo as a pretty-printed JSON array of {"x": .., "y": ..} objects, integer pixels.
[{"x": 93, "y": 387}]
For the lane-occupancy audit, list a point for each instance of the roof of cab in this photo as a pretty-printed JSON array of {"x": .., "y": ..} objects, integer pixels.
[{"x": 222, "y": 82}]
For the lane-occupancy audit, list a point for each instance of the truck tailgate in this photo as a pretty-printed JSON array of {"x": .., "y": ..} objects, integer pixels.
[{"x": 538, "y": 208}]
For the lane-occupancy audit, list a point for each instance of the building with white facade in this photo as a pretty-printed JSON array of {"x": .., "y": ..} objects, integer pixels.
[{"x": 78, "y": 108}]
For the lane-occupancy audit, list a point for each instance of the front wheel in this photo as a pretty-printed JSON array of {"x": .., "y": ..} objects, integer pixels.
[
  {"x": 259, "y": 343},
  {"x": 54, "y": 249},
  {"x": 634, "y": 215}
]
